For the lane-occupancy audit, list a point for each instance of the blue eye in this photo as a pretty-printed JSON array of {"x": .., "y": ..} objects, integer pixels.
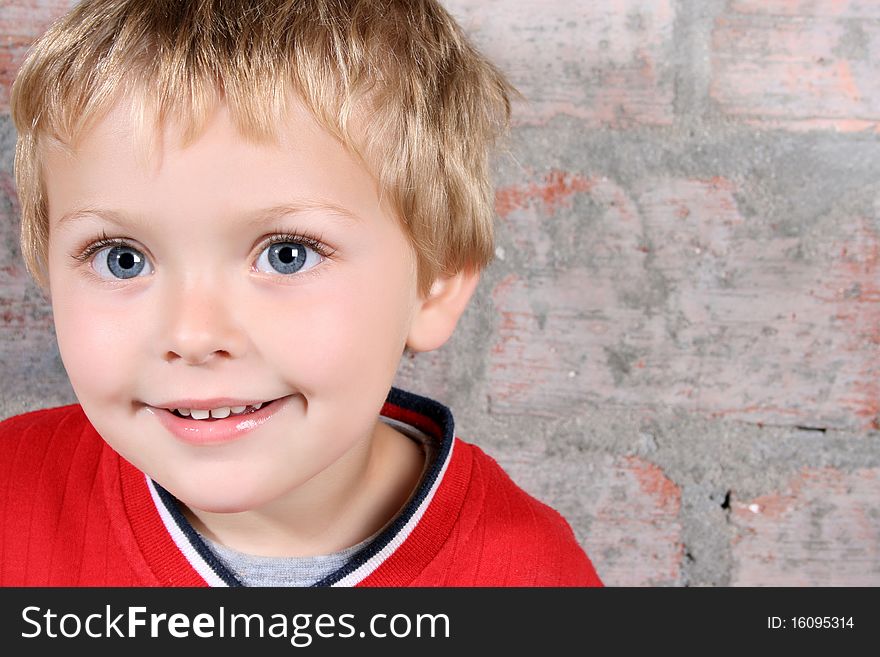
[
  {"x": 287, "y": 258},
  {"x": 121, "y": 262}
]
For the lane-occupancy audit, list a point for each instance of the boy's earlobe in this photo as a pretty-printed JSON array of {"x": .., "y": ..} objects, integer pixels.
[{"x": 436, "y": 318}]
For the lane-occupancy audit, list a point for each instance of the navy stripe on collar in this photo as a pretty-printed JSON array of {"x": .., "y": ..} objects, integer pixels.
[
  {"x": 442, "y": 417},
  {"x": 171, "y": 505}
]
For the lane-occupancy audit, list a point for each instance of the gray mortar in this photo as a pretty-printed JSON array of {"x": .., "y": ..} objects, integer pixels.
[
  {"x": 7, "y": 143},
  {"x": 691, "y": 60}
]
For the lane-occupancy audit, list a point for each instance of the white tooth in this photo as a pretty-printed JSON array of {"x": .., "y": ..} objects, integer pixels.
[
  {"x": 183, "y": 411},
  {"x": 258, "y": 406},
  {"x": 238, "y": 409},
  {"x": 220, "y": 413},
  {"x": 198, "y": 414}
]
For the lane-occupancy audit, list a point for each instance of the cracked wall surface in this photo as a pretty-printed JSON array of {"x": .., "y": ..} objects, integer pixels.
[{"x": 678, "y": 344}]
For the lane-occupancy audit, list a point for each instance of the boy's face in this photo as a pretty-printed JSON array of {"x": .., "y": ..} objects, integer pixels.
[{"x": 207, "y": 297}]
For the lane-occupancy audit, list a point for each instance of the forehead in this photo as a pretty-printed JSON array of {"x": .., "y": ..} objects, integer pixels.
[{"x": 123, "y": 160}]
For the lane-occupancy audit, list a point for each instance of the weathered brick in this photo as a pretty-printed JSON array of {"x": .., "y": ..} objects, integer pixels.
[
  {"x": 773, "y": 335},
  {"x": 813, "y": 67},
  {"x": 624, "y": 511},
  {"x": 852, "y": 288},
  {"x": 553, "y": 323},
  {"x": 605, "y": 63},
  {"x": 666, "y": 295},
  {"x": 21, "y": 23},
  {"x": 822, "y": 530}
]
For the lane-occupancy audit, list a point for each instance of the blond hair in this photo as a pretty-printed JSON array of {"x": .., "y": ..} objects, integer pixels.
[{"x": 396, "y": 81}]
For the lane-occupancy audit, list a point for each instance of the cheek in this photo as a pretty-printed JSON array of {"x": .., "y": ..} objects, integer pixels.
[
  {"x": 352, "y": 329},
  {"x": 96, "y": 343}
]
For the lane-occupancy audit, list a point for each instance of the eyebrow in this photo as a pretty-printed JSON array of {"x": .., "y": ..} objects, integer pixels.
[{"x": 331, "y": 210}]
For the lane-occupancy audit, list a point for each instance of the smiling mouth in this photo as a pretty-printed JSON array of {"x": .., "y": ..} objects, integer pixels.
[{"x": 221, "y": 413}]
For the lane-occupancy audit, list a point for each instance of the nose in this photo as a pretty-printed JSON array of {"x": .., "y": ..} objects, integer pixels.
[{"x": 201, "y": 324}]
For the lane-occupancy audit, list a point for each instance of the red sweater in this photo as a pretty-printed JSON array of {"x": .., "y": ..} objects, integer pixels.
[{"x": 74, "y": 513}]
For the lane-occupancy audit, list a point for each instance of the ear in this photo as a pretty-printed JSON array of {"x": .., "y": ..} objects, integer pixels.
[{"x": 436, "y": 317}]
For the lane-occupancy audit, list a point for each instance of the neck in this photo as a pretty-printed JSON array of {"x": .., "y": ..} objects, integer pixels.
[{"x": 343, "y": 505}]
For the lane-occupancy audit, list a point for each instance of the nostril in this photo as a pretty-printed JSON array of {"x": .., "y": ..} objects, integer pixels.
[{"x": 196, "y": 357}]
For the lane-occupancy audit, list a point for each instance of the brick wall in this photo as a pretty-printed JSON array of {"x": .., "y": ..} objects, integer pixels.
[{"x": 678, "y": 345}]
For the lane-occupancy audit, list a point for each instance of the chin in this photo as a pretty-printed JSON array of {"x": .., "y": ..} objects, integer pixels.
[{"x": 224, "y": 497}]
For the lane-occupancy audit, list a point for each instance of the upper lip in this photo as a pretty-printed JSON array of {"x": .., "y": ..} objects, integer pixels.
[{"x": 209, "y": 404}]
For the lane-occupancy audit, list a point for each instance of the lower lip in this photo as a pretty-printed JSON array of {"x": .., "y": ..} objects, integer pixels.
[{"x": 216, "y": 432}]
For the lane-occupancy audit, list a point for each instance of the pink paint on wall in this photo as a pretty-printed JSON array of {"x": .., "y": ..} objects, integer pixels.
[{"x": 553, "y": 191}]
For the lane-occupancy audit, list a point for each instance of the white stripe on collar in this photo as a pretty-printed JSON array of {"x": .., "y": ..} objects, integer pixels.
[
  {"x": 370, "y": 566},
  {"x": 201, "y": 566}
]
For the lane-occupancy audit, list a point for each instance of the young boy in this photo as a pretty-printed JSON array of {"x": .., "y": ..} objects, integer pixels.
[{"x": 243, "y": 213}]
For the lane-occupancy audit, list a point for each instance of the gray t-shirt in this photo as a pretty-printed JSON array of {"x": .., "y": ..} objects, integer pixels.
[{"x": 252, "y": 570}]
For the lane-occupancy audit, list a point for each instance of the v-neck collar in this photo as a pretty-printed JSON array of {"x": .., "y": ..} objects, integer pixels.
[{"x": 177, "y": 556}]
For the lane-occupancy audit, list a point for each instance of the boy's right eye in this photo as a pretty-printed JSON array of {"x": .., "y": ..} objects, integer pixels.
[{"x": 121, "y": 262}]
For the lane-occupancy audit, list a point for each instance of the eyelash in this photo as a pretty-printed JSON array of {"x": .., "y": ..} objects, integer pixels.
[
  {"x": 100, "y": 243},
  {"x": 278, "y": 237}
]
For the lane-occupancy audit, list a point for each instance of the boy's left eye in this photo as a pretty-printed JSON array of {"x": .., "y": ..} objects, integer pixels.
[{"x": 287, "y": 258}]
